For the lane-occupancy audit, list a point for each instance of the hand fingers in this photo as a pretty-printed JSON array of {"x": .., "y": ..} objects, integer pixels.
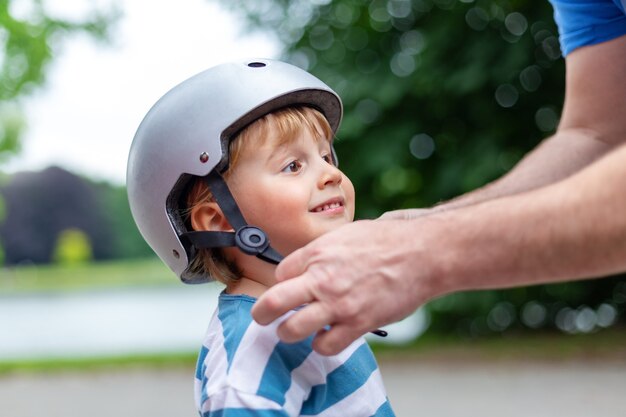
[
  {"x": 281, "y": 298},
  {"x": 304, "y": 323},
  {"x": 333, "y": 341}
]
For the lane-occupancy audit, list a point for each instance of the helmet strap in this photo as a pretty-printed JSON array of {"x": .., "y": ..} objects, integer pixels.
[{"x": 250, "y": 240}]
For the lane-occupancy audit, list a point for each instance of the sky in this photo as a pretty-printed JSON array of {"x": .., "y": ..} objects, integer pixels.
[{"x": 96, "y": 95}]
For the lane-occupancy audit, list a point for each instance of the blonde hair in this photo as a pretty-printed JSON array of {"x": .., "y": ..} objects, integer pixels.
[{"x": 284, "y": 125}]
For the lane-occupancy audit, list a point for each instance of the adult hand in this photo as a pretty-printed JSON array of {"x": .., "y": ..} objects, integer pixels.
[
  {"x": 405, "y": 214},
  {"x": 355, "y": 279}
]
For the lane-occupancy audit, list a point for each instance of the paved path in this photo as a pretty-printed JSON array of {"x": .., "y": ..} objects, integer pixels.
[
  {"x": 507, "y": 389},
  {"x": 433, "y": 389}
]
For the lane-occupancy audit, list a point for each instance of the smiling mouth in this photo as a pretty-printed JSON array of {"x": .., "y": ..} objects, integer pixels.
[{"x": 327, "y": 206}]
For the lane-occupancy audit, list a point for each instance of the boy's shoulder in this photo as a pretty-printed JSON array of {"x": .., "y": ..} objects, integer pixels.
[
  {"x": 247, "y": 344},
  {"x": 232, "y": 324},
  {"x": 243, "y": 356}
]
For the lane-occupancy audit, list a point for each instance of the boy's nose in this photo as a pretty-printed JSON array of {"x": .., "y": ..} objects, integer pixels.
[{"x": 331, "y": 175}]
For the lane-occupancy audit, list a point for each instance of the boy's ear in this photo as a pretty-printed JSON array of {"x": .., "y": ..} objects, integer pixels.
[{"x": 209, "y": 216}]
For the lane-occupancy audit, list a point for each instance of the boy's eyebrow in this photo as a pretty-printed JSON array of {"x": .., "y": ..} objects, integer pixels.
[
  {"x": 282, "y": 148},
  {"x": 278, "y": 151}
]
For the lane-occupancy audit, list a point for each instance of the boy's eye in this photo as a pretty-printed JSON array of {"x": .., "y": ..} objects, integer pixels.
[
  {"x": 293, "y": 167},
  {"x": 328, "y": 158}
]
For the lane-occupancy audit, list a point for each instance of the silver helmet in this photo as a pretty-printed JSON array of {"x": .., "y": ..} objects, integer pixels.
[{"x": 187, "y": 132}]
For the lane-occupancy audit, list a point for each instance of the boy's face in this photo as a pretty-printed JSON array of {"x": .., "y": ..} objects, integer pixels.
[{"x": 292, "y": 191}]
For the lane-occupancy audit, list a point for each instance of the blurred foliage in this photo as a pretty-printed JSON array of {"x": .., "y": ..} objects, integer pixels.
[
  {"x": 127, "y": 241},
  {"x": 72, "y": 248},
  {"x": 42, "y": 205},
  {"x": 29, "y": 37},
  {"x": 11, "y": 126},
  {"x": 574, "y": 308},
  {"x": 441, "y": 97}
]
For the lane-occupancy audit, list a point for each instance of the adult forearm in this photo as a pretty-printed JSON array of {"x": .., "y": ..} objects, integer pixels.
[
  {"x": 558, "y": 157},
  {"x": 572, "y": 229}
]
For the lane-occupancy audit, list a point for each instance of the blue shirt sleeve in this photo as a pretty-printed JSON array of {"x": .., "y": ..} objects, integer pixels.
[{"x": 588, "y": 22}]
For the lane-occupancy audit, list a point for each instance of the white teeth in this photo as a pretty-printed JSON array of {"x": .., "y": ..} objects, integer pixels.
[{"x": 327, "y": 207}]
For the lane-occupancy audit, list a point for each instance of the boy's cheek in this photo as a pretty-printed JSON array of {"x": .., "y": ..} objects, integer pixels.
[{"x": 350, "y": 199}]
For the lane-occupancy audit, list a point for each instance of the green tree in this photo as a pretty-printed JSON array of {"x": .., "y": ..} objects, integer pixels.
[
  {"x": 440, "y": 97},
  {"x": 29, "y": 39},
  {"x": 127, "y": 241},
  {"x": 41, "y": 205},
  {"x": 72, "y": 248}
]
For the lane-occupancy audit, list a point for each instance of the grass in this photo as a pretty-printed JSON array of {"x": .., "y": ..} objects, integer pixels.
[
  {"x": 114, "y": 274},
  {"x": 166, "y": 360}
]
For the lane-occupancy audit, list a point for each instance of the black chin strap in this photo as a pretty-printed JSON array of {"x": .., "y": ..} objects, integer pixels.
[{"x": 249, "y": 239}]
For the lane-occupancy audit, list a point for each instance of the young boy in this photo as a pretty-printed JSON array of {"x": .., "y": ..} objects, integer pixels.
[{"x": 228, "y": 171}]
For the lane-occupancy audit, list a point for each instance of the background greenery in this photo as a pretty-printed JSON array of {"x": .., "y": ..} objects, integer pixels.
[
  {"x": 27, "y": 47},
  {"x": 440, "y": 96}
]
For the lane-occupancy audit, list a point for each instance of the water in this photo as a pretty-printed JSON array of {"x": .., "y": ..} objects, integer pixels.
[{"x": 122, "y": 322}]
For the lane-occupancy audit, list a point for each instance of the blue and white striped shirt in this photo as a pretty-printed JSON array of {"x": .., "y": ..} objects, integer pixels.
[{"x": 245, "y": 370}]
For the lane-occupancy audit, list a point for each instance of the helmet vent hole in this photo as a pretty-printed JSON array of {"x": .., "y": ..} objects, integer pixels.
[{"x": 256, "y": 64}]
